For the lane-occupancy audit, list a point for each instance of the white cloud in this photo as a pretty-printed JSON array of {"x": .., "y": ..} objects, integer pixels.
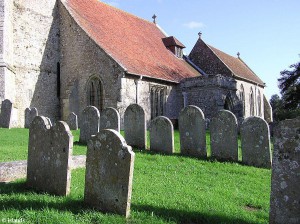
[{"x": 194, "y": 25}]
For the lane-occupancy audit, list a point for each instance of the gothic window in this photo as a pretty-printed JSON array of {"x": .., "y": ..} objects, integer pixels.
[
  {"x": 242, "y": 98},
  {"x": 94, "y": 93},
  {"x": 251, "y": 98},
  {"x": 158, "y": 101},
  {"x": 259, "y": 103}
]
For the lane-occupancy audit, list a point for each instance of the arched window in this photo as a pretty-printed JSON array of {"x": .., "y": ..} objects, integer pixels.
[
  {"x": 259, "y": 103},
  {"x": 251, "y": 98},
  {"x": 242, "y": 98},
  {"x": 228, "y": 103},
  {"x": 158, "y": 101},
  {"x": 94, "y": 93}
]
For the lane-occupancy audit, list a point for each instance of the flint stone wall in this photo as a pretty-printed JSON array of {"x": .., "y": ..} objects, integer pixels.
[
  {"x": 109, "y": 173},
  {"x": 30, "y": 114},
  {"x": 90, "y": 119},
  {"x": 285, "y": 190},
  {"x": 192, "y": 132},
  {"x": 223, "y": 136},
  {"x": 162, "y": 135},
  {"x": 49, "y": 152},
  {"x": 110, "y": 119},
  {"x": 135, "y": 126},
  {"x": 255, "y": 142}
]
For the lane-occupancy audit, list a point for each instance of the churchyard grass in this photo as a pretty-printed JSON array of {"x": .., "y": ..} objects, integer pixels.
[{"x": 166, "y": 189}]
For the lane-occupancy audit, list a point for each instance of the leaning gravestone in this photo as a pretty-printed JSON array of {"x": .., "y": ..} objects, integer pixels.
[
  {"x": 135, "y": 126},
  {"x": 90, "y": 123},
  {"x": 110, "y": 119},
  {"x": 223, "y": 136},
  {"x": 255, "y": 142},
  {"x": 73, "y": 121},
  {"x": 162, "y": 135},
  {"x": 285, "y": 184},
  {"x": 49, "y": 156},
  {"x": 6, "y": 114},
  {"x": 109, "y": 173},
  {"x": 30, "y": 114},
  {"x": 192, "y": 132}
]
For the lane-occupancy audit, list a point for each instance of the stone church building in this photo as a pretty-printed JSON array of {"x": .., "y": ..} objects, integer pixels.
[{"x": 63, "y": 55}]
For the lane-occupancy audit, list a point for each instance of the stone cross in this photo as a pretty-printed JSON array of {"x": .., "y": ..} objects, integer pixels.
[
  {"x": 109, "y": 173},
  {"x": 49, "y": 156},
  {"x": 135, "y": 126}
]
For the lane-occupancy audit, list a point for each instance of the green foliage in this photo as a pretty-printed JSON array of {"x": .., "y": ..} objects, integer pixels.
[
  {"x": 166, "y": 189},
  {"x": 280, "y": 112}
]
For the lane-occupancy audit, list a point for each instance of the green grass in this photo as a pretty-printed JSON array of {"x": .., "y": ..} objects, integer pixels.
[{"x": 166, "y": 189}]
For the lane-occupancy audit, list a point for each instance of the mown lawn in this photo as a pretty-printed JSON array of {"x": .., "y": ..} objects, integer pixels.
[{"x": 166, "y": 189}]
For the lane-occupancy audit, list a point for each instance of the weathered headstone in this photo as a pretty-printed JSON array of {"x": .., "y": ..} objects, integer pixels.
[
  {"x": 49, "y": 156},
  {"x": 30, "y": 114},
  {"x": 73, "y": 121},
  {"x": 135, "y": 126},
  {"x": 162, "y": 135},
  {"x": 285, "y": 184},
  {"x": 223, "y": 136},
  {"x": 90, "y": 120},
  {"x": 6, "y": 114},
  {"x": 110, "y": 119},
  {"x": 109, "y": 173},
  {"x": 255, "y": 142},
  {"x": 192, "y": 132}
]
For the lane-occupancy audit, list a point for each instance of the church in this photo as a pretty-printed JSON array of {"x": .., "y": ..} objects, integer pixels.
[{"x": 63, "y": 55}]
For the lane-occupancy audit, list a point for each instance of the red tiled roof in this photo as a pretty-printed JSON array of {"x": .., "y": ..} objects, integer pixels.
[
  {"x": 237, "y": 66},
  {"x": 134, "y": 43}
]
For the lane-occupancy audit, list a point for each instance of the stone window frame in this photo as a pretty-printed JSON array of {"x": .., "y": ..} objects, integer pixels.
[
  {"x": 158, "y": 99},
  {"x": 251, "y": 102},
  {"x": 242, "y": 98},
  {"x": 259, "y": 103},
  {"x": 94, "y": 92}
]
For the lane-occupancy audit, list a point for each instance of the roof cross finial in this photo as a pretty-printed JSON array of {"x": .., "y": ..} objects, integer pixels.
[
  {"x": 200, "y": 34},
  {"x": 154, "y": 18},
  {"x": 238, "y": 54}
]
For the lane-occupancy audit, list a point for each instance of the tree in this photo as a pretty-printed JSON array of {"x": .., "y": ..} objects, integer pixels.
[{"x": 289, "y": 85}]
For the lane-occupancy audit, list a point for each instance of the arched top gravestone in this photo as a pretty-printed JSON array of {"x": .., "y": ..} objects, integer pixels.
[
  {"x": 30, "y": 114},
  {"x": 135, "y": 126},
  {"x": 6, "y": 114},
  {"x": 49, "y": 152},
  {"x": 162, "y": 135},
  {"x": 109, "y": 173},
  {"x": 90, "y": 119},
  {"x": 223, "y": 136},
  {"x": 110, "y": 119},
  {"x": 192, "y": 131},
  {"x": 255, "y": 142},
  {"x": 73, "y": 121}
]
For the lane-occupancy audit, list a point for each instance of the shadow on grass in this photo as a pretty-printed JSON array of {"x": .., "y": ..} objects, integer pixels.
[
  {"x": 187, "y": 217},
  {"x": 79, "y": 143}
]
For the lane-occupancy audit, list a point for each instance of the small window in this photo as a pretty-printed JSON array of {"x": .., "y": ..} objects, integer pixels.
[{"x": 94, "y": 93}]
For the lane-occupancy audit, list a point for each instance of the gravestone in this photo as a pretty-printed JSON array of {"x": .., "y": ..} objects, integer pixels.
[
  {"x": 110, "y": 119},
  {"x": 135, "y": 126},
  {"x": 285, "y": 184},
  {"x": 109, "y": 173},
  {"x": 6, "y": 114},
  {"x": 73, "y": 121},
  {"x": 30, "y": 114},
  {"x": 162, "y": 135},
  {"x": 223, "y": 136},
  {"x": 49, "y": 156},
  {"x": 192, "y": 132},
  {"x": 255, "y": 142},
  {"x": 90, "y": 119}
]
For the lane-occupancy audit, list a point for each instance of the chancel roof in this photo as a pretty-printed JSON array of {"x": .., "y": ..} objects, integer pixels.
[{"x": 134, "y": 43}]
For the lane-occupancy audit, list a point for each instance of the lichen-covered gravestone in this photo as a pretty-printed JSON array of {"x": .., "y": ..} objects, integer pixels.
[
  {"x": 90, "y": 120},
  {"x": 192, "y": 132},
  {"x": 109, "y": 173},
  {"x": 255, "y": 142},
  {"x": 110, "y": 119},
  {"x": 135, "y": 126},
  {"x": 30, "y": 114},
  {"x": 49, "y": 156},
  {"x": 223, "y": 136},
  {"x": 73, "y": 121},
  {"x": 285, "y": 184},
  {"x": 162, "y": 135},
  {"x": 6, "y": 114}
]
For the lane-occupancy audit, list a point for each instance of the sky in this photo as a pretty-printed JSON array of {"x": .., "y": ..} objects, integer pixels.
[{"x": 265, "y": 32}]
